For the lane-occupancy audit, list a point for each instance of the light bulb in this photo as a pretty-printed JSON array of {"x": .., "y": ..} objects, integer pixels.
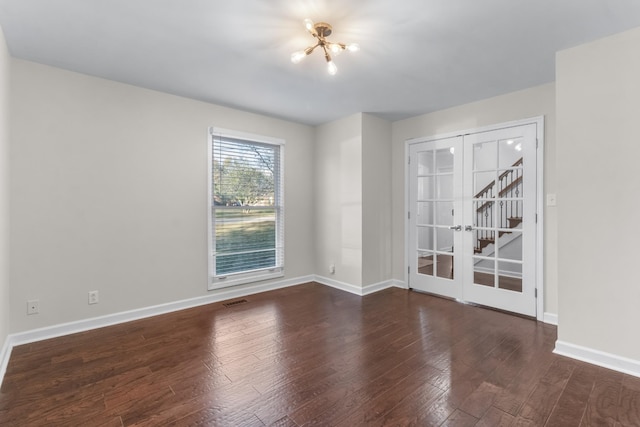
[
  {"x": 353, "y": 47},
  {"x": 296, "y": 57},
  {"x": 331, "y": 67},
  {"x": 335, "y": 48},
  {"x": 308, "y": 24},
  {"x": 519, "y": 147}
]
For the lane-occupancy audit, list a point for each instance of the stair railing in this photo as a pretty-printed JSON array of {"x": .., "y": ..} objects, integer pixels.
[{"x": 510, "y": 211}]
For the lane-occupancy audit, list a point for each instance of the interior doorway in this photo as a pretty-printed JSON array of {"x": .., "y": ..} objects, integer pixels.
[{"x": 473, "y": 216}]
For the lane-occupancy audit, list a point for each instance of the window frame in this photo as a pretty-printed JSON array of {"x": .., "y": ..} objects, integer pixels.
[{"x": 233, "y": 279}]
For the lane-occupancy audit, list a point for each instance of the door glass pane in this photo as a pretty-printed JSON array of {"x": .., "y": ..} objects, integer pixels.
[
  {"x": 425, "y": 188},
  {"x": 510, "y": 152},
  {"x": 444, "y": 267},
  {"x": 434, "y": 201},
  {"x": 445, "y": 187},
  {"x": 510, "y": 183},
  {"x": 444, "y": 213},
  {"x": 444, "y": 242},
  {"x": 510, "y": 276},
  {"x": 484, "y": 185},
  {"x": 484, "y": 213},
  {"x": 425, "y": 263},
  {"x": 425, "y": 238},
  {"x": 483, "y": 242},
  {"x": 484, "y": 272},
  {"x": 425, "y": 162},
  {"x": 425, "y": 213},
  {"x": 510, "y": 246},
  {"x": 444, "y": 160},
  {"x": 485, "y": 156}
]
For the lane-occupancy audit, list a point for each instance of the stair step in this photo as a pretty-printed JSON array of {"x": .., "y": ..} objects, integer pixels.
[
  {"x": 514, "y": 222},
  {"x": 485, "y": 242}
]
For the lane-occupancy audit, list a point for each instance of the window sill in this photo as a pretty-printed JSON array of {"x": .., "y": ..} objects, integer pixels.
[{"x": 240, "y": 279}]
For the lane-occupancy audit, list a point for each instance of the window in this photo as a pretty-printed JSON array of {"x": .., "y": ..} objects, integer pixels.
[{"x": 246, "y": 221}]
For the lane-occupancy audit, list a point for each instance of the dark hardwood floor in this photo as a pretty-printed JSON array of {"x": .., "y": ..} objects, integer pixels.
[{"x": 313, "y": 355}]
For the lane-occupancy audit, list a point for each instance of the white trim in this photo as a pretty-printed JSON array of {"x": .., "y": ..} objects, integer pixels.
[
  {"x": 214, "y": 296},
  {"x": 376, "y": 287},
  {"x": 357, "y": 290},
  {"x": 141, "y": 313},
  {"x": 210, "y": 272},
  {"x": 5, "y": 355},
  {"x": 245, "y": 277},
  {"x": 550, "y": 318},
  {"x": 406, "y": 262},
  {"x": 399, "y": 284},
  {"x": 352, "y": 289},
  {"x": 63, "y": 329},
  {"x": 503, "y": 273},
  {"x": 597, "y": 357},
  {"x": 246, "y": 136},
  {"x": 481, "y": 129},
  {"x": 539, "y": 122}
]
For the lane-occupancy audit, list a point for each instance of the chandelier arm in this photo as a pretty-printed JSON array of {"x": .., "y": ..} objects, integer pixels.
[
  {"x": 312, "y": 48},
  {"x": 327, "y": 56}
]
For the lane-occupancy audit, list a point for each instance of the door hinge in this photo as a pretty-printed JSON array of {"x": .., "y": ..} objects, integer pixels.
[
  {"x": 535, "y": 291},
  {"x": 536, "y": 218},
  {"x": 536, "y": 143},
  {"x": 408, "y": 215},
  {"x": 409, "y": 269},
  {"x": 409, "y": 160}
]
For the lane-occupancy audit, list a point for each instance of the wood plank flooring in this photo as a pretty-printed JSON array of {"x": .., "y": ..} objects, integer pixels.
[{"x": 313, "y": 355}]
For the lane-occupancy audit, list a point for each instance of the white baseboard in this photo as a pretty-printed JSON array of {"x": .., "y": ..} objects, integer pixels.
[
  {"x": 213, "y": 296},
  {"x": 141, "y": 313},
  {"x": 5, "y": 354},
  {"x": 376, "y": 287},
  {"x": 550, "y": 318},
  {"x": 597, "y": 357},
  {"x": 352, "y": 289},
  {"x": 357, "y": 290},
  {"x": 399, "y": 284}
]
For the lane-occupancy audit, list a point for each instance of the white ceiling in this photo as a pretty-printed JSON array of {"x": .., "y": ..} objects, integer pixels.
[{"x": 416, "y": 56}]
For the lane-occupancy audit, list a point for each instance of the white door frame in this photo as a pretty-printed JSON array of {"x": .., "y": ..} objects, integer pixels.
[{"x": 539, "y": 122}]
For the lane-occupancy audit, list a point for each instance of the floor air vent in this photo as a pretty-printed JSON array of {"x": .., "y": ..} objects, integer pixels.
[{"x": 234, "y": 303}]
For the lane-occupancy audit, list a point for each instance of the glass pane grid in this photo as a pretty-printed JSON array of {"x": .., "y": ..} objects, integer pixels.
[{"x": 246, "y": 206}]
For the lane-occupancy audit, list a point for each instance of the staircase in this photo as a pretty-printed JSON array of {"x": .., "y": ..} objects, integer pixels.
[{"x": 509, "y": 185}]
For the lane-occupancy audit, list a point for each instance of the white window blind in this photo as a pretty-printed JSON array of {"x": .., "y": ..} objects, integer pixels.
[{"x": 247, "y": 209}]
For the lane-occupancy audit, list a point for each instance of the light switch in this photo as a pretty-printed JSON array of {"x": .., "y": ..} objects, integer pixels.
[{"x": 551, "y": 199}]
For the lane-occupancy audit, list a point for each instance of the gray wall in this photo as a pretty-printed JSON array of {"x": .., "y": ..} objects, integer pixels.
[
  {"x": 4, "y": 190},
  {"x": 338, "y": 199},
  {"x": 352, "y": 195},
  {"x": 376, "y": 200},
  {"x": 109, "y": 193},
  {"x": 598, "y": 110}
]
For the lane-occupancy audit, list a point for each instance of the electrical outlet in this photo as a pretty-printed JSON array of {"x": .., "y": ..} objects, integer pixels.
[
  {"x": 33, "y": 306},
  {"x": 332, "y": 269},
  {"x": 93, "y": 297}
]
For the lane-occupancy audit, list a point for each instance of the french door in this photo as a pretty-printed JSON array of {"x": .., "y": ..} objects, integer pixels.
[{"x": 472, "y": 218}]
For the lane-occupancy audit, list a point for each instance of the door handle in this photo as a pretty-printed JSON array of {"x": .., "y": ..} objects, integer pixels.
[
  {"x": 455, "y": 227},
  {"x": 468, "y": 228}
]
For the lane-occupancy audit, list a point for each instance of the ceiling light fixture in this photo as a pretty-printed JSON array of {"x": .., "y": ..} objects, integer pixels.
[{"x": 322, "y": 30}]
